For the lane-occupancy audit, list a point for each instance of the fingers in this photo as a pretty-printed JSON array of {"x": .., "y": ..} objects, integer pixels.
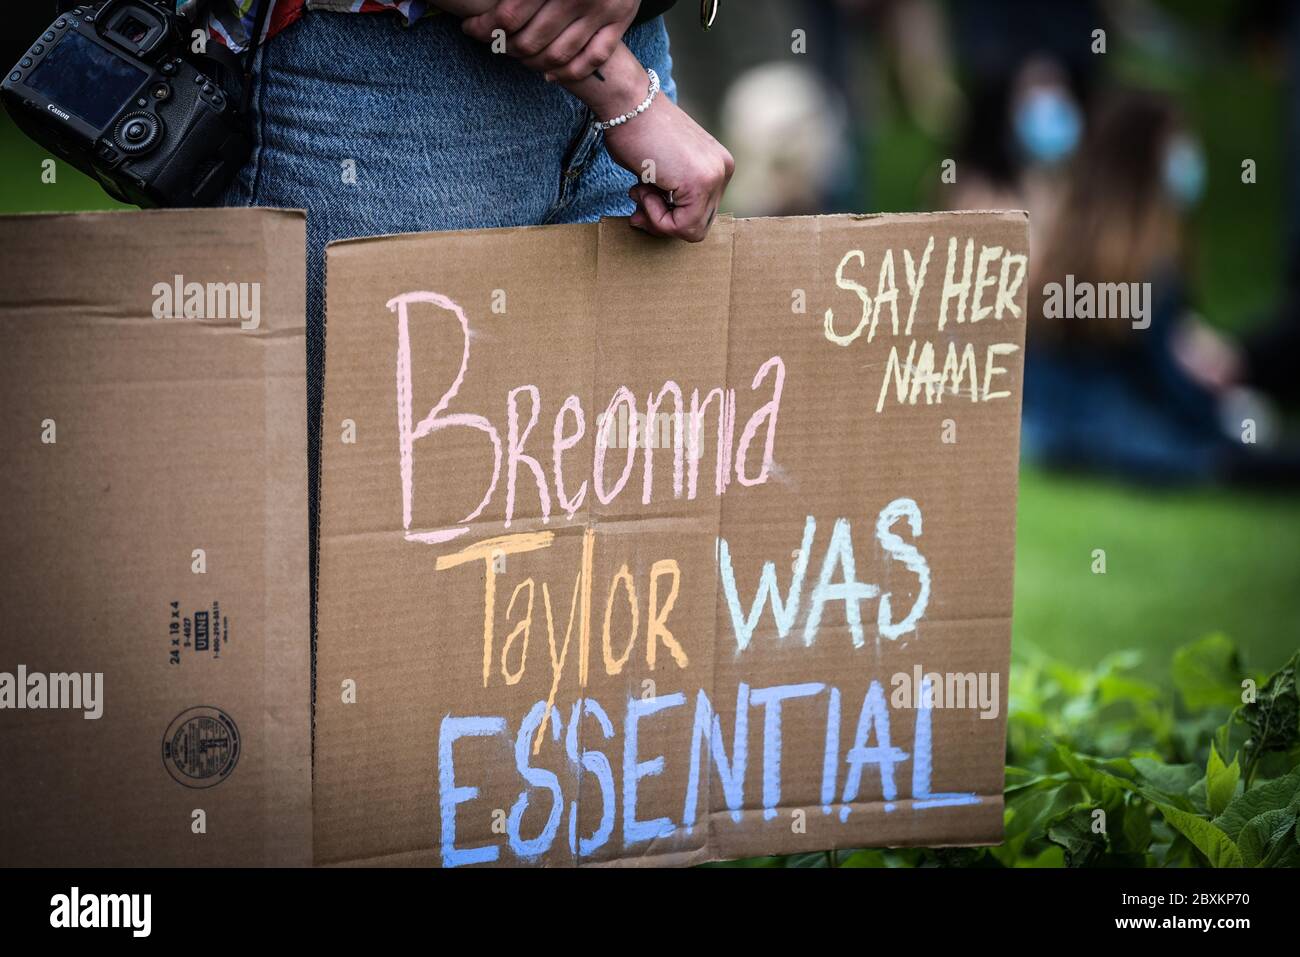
[
  {"x": 591, "y": 57},
  {"x": 541, "y": 31},
  {"x": 689, "y": 221},
  {"x": 511, "y": 16},
  {"x": 649, "y": 215},
  {"x": 561, "y": 51},
  {"x": 551, "y": 37}
]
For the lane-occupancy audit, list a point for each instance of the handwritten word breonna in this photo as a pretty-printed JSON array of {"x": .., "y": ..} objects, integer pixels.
[{"x": 510, "y": 454}]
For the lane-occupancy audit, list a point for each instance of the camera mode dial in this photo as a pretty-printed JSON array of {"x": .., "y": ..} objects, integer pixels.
[{"x": 137, "y": 133}]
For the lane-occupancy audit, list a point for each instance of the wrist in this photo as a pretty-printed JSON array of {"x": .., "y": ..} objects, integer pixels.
[
  {"x": 619, "y": 86},
  {"x": 652, "y": 94}
]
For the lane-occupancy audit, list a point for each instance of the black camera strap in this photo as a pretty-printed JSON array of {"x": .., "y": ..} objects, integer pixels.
[{"x": 250, "y": 55}]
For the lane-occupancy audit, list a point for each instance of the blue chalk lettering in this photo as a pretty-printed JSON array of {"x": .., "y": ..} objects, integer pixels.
[
  {"x": 784, "y": 611},
  {"x": 770, "y": 699},
  {"x": 537, "y": 778},
  {"x": 850, "y": 590},
  {"x": 450, "y": 794},
  {"x": 708, "y": 730},
  {"x": 597, "y": 764},
  {"x": 831, "y": 756},
  {"x": 634, "y": 830},
  {"x": 874, "y": 714},
  {"x": 921, "y": 760}
]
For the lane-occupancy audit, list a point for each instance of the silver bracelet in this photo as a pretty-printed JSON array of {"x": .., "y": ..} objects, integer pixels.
[{"x": 607, "y": 125}]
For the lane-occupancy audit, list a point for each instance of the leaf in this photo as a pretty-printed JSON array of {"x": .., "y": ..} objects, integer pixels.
[
  {"x": 1051, "y": 856},
  {"x": 1273, "y": 795},
  {"x": 1136, "y": 829},
  {"x": 1019, "y": 780},
  {"x": 1171, "y": 780},
  {"x": 1111, "y": 688},
  {"x": 1261, "y": 833},
  {"x": 1073, "y": 831},
  {"x": 1274, "y": 716},
  {"x": 1220, "y": 782},
  {"x": 815, "y": 859},
  {"x": 960, "y": 856},
  {"x": 1105, "y": 781},
  {"x": 1207, "y": 674},
  {"x": 1214, "y": 843},
  {"x": 1026, "y": 811},
  {"x": 865, "y": 859},
  {"x": 1290, "y": 857}
]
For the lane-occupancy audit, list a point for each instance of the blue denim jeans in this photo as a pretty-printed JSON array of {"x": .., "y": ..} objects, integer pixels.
[{"x": 374, "y": 127}]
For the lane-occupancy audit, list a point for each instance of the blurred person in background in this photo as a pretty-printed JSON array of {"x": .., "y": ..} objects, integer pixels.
[
  {"x": 1029, "y": 81},
  {"x": 824, "y": 43},
  {"x": 789, "y": 134},
  {"x": 1149, "y": 403}
]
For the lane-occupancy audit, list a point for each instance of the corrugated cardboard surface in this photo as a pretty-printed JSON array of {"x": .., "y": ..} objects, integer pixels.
[
  {"x": 583, "y": 311},
  {"x": 171, "y": 435}
]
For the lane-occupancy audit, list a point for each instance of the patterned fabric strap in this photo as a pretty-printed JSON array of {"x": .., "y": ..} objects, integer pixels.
[{"x": 232, "y": 21}]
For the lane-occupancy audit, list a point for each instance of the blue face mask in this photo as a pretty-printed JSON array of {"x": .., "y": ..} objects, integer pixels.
[
  {"x": 1048, "y": 125},
  {"x": 1184, "y": 172}
]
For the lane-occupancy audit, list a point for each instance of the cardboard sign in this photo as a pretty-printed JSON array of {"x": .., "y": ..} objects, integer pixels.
[
  {"x": 154, "y": 638},
  {"x": 641, "y": 552}
]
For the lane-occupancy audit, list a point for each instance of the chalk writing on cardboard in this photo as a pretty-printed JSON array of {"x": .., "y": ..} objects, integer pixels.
[{"x": 859, "y": 579}]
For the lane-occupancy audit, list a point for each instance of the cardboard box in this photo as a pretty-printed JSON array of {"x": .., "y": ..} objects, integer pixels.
[
  {"x": 778, "y": 622},
  {"x": 154, "y": 641}
]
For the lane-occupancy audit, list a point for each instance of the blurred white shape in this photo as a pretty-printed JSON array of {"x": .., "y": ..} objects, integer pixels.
[{"x": 788, "y": 133}]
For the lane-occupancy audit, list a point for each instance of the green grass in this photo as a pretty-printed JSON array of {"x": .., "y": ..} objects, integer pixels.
[
  {"x": 22, "y": 188},
  {"x": 1179, "y": 565}
]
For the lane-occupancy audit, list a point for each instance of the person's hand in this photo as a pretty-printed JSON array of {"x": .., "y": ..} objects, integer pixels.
[
  {"x": 567, "y": 40},
  {"x": 690, "y": 170},
  {"x": 683, "y": 171},
  {"x": 465, "y": 8}
]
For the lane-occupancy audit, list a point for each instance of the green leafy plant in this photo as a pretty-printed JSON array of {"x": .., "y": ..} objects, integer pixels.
[{"x": 1106, "y": 769}]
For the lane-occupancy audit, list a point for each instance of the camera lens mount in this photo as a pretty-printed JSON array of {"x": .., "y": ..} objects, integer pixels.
[{"x": 137, "y": 133}]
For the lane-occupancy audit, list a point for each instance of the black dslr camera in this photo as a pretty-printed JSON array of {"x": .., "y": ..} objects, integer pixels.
[{"x": 115, "y": 89}]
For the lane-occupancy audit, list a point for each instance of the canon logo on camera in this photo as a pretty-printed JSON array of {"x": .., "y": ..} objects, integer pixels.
[{"x": 58, "y": 112}]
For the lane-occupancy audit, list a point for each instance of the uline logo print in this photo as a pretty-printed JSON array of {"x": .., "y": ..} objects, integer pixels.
[{"x": 201, "y": 747}]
